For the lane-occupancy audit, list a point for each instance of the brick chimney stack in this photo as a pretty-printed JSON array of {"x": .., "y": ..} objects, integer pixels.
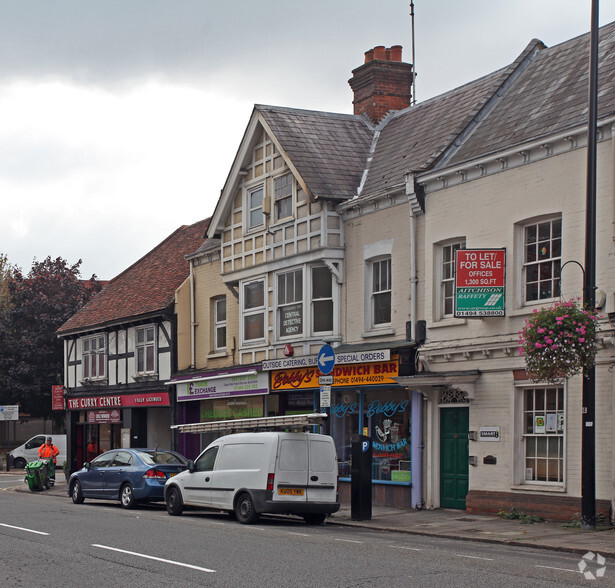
[{"x": 383, "y": 83}]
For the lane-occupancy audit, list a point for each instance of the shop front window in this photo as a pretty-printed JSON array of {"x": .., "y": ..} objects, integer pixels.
[
  {"x": 385, "y": 419},
  {"x": 344, "y": 424},
  {"x": 386, "y": 416}
]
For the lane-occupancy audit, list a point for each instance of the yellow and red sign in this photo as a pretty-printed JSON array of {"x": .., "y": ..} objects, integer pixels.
[{"x": 356, "y": 374}]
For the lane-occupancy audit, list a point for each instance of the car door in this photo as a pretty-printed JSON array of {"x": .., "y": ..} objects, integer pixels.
[
  {"x": 197, "y": 484},
  {"x": 93, "y": 479},
  {"x": 115, "y": 473}
]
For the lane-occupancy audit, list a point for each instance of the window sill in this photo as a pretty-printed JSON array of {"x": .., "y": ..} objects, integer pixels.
[
  {"x": 94, "y": 381},
  {"x": 447, "y": 322},
  {"x": 556, "y": 488},
  {"x": 378, "y": 333},
  {"x": 217, "y": 354},
  {"x": 528, "y": 307},
  {"x": 146, "y": 377}
]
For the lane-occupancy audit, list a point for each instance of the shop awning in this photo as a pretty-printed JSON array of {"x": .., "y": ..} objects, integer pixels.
[
  {"x": 426, "y": 382},
  {"x": 296, "y": 421}
]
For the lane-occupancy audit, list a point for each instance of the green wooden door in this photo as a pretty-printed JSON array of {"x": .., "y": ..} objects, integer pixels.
[{"x": 454, "y": 427}]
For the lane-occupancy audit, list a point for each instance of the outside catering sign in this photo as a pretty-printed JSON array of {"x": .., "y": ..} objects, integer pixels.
[
  {"x": 480, "y": 281},
  {"x": 340, "y": 359}
]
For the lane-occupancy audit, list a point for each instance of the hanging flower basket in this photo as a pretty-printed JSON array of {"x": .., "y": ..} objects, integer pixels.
[{"x": 559, "y": 341}]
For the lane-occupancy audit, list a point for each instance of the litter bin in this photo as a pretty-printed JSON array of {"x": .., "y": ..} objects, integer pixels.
[{"x": 37, "y": 474}]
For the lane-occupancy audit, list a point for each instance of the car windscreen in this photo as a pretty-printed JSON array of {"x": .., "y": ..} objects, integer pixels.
[{"x": 161, "y": 458}]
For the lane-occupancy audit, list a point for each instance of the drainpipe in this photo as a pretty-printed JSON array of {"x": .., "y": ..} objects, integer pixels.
[
  {"x": 416, "y": 417},
  {"x": 416, "y": 450},
  {"x": 192, "y": 346}
]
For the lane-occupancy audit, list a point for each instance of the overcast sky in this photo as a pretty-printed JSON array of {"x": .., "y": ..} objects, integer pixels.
[{"x": 119, "y": 119}]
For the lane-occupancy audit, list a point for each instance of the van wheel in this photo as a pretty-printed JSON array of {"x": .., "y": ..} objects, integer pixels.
[
  {"x": 314, "y": 518},
  {"x": 127, "y": 498},
  {"x": 245, "y": 511},
  {"x": 76, "y": 493},
  {"x": 19, "y": 463},
  {"x": 175, "y": 504}
]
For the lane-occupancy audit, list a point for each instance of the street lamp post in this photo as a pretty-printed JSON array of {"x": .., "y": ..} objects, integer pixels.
[{"x": 588, "y": 438}]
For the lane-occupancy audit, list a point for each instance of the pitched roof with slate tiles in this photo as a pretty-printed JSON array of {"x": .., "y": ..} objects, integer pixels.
[
  {"x": 328, "y": 150},
  {"x": 550, "y": 96},
  {"x": 414, "y": 138},
  {"x": 145, "y": 288}
]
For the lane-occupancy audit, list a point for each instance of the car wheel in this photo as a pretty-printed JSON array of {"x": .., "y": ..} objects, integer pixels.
[
  {"x": 19, "y": 463},
  {"x": 77, "y": 493},
  {"x": 127, "y": 498},
  {"x": 314, "y": 518},
  {"x": 175, "y": 504},
  {"x": 245, "y": 511}
]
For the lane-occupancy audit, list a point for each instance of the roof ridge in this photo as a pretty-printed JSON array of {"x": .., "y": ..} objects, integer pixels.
[{"x": 511, "y": 73}]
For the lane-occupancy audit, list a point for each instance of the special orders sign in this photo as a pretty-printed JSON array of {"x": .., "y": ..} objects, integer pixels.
[{"x": 480, "y": 281}]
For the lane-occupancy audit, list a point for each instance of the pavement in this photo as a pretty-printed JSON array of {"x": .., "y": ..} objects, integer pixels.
[{"x": 457, "y": 524}]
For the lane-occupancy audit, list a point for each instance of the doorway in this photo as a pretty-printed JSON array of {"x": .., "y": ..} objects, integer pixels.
[{"x": 454, "y": 428}]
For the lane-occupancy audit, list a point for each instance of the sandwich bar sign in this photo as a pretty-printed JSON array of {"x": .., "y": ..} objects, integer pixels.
[{"x": 480, "y": 280}]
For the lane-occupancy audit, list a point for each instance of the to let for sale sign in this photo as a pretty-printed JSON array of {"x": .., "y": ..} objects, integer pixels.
[{"x": 480, "y": 280}]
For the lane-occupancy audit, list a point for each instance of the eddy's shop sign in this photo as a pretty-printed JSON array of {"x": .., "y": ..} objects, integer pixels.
[{"x": 358, "y": 374}]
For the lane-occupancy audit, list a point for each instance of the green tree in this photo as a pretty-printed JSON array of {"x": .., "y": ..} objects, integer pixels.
[
  {"x": 7, "y": 271},
  {"x": 31, "y": 356}
]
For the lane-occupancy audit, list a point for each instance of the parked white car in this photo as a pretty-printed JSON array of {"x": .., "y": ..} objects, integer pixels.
[{"x": 248, "y": 474}]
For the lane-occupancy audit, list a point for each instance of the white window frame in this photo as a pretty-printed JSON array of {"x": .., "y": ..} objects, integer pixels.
[
  {"x": 444, "y": 278},
  {"x": 255, "y": 311},
  {"x": 145, "y": 346},
  {"x": 381, "y": 289},
  {"x": 323, "y": 299},
  {"x": 521, "y": 416},
  {"x": 93, "y": 347},
  {"x": 289, "y": 291},
  {"x": 285, "y": 197},
  {"x": 250, "y": 209},
  {"x": 526, "y": 266},
  {"x": 219, "y": 323},
  {"x": 375, "y": 252}
]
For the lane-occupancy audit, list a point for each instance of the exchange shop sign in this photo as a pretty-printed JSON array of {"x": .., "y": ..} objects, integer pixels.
[
  {"x": 480, "y": 280},
  {"x": 223, "y": 387}
]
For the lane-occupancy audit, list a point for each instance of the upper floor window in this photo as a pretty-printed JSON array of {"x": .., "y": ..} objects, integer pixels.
[
  {"x": 220, "y": 323},
  {"x": 542, "y": 260},
  {"x": 283, "y": 194},
  {"x": 290, "y": 303},
  {"x": 254, "y": 310},
  {"x": 94, "y": 357},
  {"x": 255, "y": 207},
  {"x": 447, "y": 279},
  {"x": 381, "y": 291},
  {"x": 145, "y": 349},
  {"x": 322, "y": 300}
]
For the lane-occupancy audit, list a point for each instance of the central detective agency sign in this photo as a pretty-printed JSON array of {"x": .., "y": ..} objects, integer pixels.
[{"x": 480, "y": 279}]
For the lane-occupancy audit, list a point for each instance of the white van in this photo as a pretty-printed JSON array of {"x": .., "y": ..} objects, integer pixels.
[
  {"x": 248, "y": 474},
  {"x": 29, "y": 450}
]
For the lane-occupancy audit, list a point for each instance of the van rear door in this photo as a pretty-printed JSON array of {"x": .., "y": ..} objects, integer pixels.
[
  {"x": 322, "y": 478},
  {"x": 291, "y": 475}
]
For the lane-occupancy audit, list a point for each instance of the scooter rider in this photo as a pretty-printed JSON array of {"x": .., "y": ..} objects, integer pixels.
[{"x": 49, "y": 451}]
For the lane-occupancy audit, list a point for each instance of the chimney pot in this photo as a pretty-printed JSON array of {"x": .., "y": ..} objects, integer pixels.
[
  {"x": 369, "y": 55},
  {"x": 395, "y": 53},
  {"x": 380, "y": 53}
]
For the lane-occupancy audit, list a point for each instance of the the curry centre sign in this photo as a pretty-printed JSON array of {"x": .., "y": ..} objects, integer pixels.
[
  {"x": 118, "y": 401},
  {"x": 480, "y": 280}
]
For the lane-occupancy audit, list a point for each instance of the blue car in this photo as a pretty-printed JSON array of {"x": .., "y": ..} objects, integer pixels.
[{"x": 127, "y": 475}]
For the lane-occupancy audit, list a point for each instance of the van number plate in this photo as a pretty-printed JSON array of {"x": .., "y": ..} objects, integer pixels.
[{"x": 291, "y": 491}]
